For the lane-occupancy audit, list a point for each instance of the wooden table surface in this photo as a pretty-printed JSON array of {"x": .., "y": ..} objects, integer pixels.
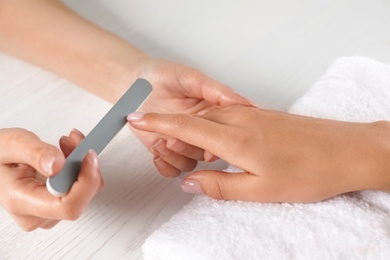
[{"x": 270, "y": 51}]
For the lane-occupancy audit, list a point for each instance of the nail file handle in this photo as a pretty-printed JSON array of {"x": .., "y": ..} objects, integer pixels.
[{"x": 99, "y": 137}]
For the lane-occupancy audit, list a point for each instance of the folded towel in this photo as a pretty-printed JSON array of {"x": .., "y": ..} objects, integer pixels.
[{"x": 351, "y": 226}]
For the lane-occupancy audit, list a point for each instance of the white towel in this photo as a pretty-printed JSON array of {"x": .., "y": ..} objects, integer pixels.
[{"x": 350, "y": 226}]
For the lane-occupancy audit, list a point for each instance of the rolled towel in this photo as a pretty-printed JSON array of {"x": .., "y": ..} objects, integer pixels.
[{"x": 350, "y": 226}]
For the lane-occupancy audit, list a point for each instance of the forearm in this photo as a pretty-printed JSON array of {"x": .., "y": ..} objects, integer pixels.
[{"x": 50, "y": 35}]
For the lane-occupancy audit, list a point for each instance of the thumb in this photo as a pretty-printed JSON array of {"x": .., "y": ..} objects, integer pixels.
[
  {"x": 22, "y": 146},
  {"x": 221, "y": 185}
]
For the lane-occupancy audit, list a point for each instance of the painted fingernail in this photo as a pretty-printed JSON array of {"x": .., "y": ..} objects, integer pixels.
[
  {"x": 47, "y": 163},
  {"x": 191, "y": 186},
  {"x": 135, "y": 116},
  {"x": 160, "y": 147},
  {"x": 175, "y": 145},
  {"x": 94, "y": 158},
  {"x": 160, "y": 163}
]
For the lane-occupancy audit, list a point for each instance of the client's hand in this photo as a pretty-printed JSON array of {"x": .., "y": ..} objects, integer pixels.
[
  {"x": 177, "y": 88},
  {"x": 286, "y": 158},
  {"x": 25, "y": 163}
]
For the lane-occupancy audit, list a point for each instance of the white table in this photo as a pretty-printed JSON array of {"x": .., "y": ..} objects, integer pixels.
[{"x": 271, "y": 51}]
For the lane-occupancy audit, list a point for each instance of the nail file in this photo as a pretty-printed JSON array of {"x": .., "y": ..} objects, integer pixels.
[{"x": 99, "y": 137}]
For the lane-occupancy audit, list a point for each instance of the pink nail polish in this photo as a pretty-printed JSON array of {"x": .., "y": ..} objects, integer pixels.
[
  {"x": 191, "y": 186},
  {"x": 135, "y": 116}
]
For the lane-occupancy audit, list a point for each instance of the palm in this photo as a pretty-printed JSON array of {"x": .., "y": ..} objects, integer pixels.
[
  {"x": 176, "y": 89},
  {"x": 179, "y": 89}
]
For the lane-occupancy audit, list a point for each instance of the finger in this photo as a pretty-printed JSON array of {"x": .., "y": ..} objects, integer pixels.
[
  {"x": 88, "y": 183},
  {"x": 185, "y": 149},
  {"x": 49, "y": 224},
  {"x": 223, "y": 186},
  {"x": 178, "y": 161},
  {"x": 28, "y": 223},
  {"x": 209, "y": 157},
  {"x": 32, "y": 198},
  {"x": 190, "y": 129},
  {"x": 65, "y": 146},
  {"x": 203, "y": 87},
  {"x": 68, "y": 144},
  {"x": 22, "y": 146},
  {"x": 165, "y": 168},
  {"x": 75, "y": 137}
]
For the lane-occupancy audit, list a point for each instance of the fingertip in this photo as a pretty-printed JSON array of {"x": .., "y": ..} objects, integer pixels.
[
  {"x": 191, "y": 186},
  {"x": 214, "y": 184},
  {"x": 52, "y": 162},
  {"x": 135, "y": 116},
  {"x": 75, "y": 138},
  {"x": 88, "y": 183},
  {"x": 165, "y": 168},
  {"x": 58, "y": 163},
  {"x": 209, "y": 157},
  {"x": 94, "y": 160},
  {"x": 77, "y": 133}
]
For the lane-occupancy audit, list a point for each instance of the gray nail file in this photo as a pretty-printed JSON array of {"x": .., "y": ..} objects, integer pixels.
[{"x": 99, "y": 137}]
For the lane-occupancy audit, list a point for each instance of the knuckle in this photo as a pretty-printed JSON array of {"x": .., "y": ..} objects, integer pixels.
[
  {"x": 180, "y": 121},
  {"x": 215, "y": 190},
  {"x": 238, "y": 139}
]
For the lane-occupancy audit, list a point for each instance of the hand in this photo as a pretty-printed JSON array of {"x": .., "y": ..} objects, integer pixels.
[
  {"x": 25, "y": 162},
  {"x": 106, "y": 65},
  {"x": 177, "y": 88},
  {"x": 286, "y": 158}
]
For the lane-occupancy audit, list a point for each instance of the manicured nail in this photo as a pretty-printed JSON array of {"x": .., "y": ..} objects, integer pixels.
[
  {"x": 135, "y": 116},
  {"x": 160, "y": 146},
  {"x": 77, "y": 132},
  {"x": 94, "y": 158},
  {"x": 161, "y": 164},
  {"x": 191, "y": 186},
  {"x": 175, "y": 145},
  {"x": 47, "y": 163}
]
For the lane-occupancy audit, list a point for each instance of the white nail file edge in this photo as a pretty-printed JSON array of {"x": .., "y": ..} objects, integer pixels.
[{"x": 99, "y": 137}]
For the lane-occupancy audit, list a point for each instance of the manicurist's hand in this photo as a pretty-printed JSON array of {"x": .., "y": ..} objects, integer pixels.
[
  {"x": 285, "y": 158},
  {"x": 26, "y": 162},
  {"x": 178, "y": 88},
  {"x": 107, "y": 66}
]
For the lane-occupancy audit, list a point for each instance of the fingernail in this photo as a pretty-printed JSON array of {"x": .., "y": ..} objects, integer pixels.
[
  {"x": 47, "y": 163},
  {"x": 94, "y": 158},
  {"x": 160, "y": 162},
  {"x": 135, "y": 116},
  {"x": 209, "y": 157},
  {"x": 160, "y": 147},
  {"x": 175, "y": 145},
  {"x": 191, "y": 186},
  {"x": 77, "y": 132}
]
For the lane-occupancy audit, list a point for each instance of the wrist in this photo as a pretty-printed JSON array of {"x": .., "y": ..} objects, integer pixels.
[
  {"x": 117, "y": 73},
  {"x": 376, "y": 166}
]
